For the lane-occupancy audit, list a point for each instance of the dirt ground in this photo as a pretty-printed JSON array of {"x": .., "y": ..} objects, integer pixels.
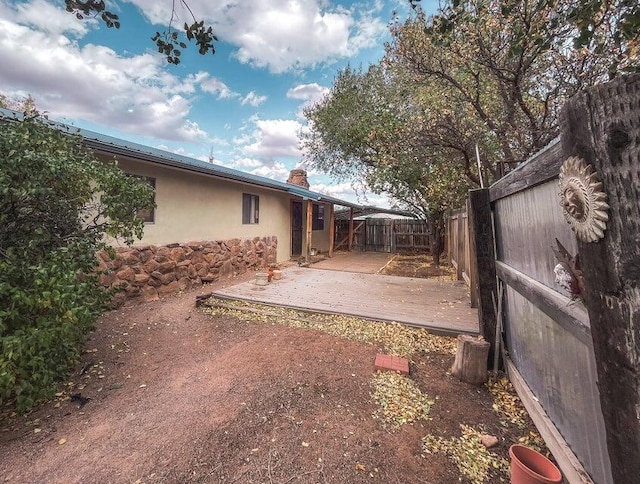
[
  {"x": 167, "y": 393},
  {"x": 419, "y": 265}
]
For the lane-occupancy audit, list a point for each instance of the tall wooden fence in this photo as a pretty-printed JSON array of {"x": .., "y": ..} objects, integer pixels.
[
  {"x": 547, "y": 336},
  {"x": 459, "y": 250},
  {"x": 383, "y": 235},
  {"x": 574, "y": 363}
]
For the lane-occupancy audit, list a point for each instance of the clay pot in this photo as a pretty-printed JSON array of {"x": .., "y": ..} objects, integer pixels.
[
  {"x": 262, "y": 279},
  {"x": 531, "y": 467}
]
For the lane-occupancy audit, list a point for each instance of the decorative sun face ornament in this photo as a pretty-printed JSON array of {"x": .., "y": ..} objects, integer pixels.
[{"x": 583, "y": 202}]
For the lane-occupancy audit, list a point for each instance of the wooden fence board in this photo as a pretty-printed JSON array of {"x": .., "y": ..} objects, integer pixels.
[{"x": 383, "y": 235}]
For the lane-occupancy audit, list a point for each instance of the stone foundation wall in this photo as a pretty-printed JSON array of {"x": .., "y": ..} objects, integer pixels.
[{"x": 149, "y": 272}]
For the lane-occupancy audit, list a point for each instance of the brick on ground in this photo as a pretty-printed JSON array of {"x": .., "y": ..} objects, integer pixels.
[{"x": 391, "y": 363}]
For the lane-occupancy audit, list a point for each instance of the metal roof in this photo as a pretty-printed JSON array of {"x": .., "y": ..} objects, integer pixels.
[
  {"x": 366, "y": 210},
  {"x": 109, "y": 144}
]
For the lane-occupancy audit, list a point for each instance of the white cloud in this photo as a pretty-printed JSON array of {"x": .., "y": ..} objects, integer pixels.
[
  {"x": 274, "y": 138},
  {"x": 45, "y": 16},
  {"x": 308, "y": 92},
  {"x": 253, "y": 99},
  {"x": 131, "y": 94},
  {"x": 243, "y": 163},
  {"x": 276, "y": 171},
  {"x": 215, "y": 86},
  {"x": 283, "y": 35}
]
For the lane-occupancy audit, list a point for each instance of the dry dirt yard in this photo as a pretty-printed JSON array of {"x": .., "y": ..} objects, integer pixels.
[{"x": 166, "y": 392}]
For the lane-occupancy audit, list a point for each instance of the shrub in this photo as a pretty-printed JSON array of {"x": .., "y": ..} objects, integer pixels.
[{"x": 57, "y": 203}]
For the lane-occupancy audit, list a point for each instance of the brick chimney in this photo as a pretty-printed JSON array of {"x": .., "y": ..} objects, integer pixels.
[{"x": 298, "y": 177}]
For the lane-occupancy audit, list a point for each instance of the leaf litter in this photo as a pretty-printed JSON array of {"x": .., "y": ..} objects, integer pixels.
[
  {"x": 397, "y": 397},
  {"x": 397, "y": 339},
  {"x": 399, "y": 400},
  {"x": 474, "y": 461}
]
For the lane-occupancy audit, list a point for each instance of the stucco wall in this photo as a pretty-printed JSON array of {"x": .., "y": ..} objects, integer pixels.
[
  {"x": 193, "y": 207},
  {"x": 319, "y": 238}
]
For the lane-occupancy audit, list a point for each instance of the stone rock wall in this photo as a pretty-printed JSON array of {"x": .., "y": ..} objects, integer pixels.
[{"x": 148, "y": 272}]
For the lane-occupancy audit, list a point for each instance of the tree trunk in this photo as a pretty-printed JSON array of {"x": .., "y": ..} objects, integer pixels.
[
  {"x": 436, "y": 236},
  {"x": 470, "y": 364}
]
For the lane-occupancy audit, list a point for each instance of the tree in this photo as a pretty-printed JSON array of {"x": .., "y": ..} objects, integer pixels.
[
  {"x": 169, "y": 42},
  {"x": 596, "y": 26},
  {"x": 57, "y": 204},
  {"x": 371, "y": 128},
  {"x": 514, "y": 63}
]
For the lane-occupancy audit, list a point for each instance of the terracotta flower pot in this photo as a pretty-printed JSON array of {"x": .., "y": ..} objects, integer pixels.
[{"x": 531, "y": 467}]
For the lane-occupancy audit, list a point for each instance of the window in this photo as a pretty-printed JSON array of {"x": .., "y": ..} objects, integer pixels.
[
  {"x": 250, "y": 208},
  {"x": 318, "y": 217},
  {"x": 147, "y": 215}
]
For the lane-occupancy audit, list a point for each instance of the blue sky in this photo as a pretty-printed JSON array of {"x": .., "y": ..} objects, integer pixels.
[{"x": 243, "y": 104}]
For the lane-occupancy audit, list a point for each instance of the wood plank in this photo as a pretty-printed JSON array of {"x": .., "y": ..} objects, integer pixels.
[
  {"x": 307, "y": 248},
  {"x": 350, "y": 228},
  {"x": 473, "y": 277},
  {"x": 332, "y": 229},
  {"x": 543, "y": 166},
  {"x": 569, "y": 464},
  {"x": 459, "y": 247},
  {"x": 482, "y": 238},
  {"x": 572, "y": 317},
  {"x": 602, "y": 126}
]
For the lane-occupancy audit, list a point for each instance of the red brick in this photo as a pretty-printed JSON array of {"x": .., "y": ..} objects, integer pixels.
[{"x": 391, "y": 363}]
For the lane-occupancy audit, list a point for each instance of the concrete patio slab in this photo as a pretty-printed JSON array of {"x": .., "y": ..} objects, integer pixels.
[{"x": 440, "y": 306}]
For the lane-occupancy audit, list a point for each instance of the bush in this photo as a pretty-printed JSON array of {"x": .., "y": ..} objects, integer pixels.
[{"x": 57, "y": 203}]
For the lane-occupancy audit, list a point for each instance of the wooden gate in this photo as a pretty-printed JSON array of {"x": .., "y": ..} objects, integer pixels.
[{"x": 383, "y": 235}]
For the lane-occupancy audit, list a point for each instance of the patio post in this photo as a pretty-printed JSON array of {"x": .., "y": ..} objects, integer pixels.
[
  {"x": 307, "y": 248},
  {"x": 332, "y": 229},
  {"x": 350, "y": 229}
]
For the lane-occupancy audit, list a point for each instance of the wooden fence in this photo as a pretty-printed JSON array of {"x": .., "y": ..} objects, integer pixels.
[
  {"x": 574, "y": 362},
  {"x": 459, "y": 251},
  {"x": 383, "y": 235},
  {"x": 548, "y": 339}
]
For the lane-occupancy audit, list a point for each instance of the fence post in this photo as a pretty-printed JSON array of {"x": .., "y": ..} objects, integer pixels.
[
  {"x": 449, "y": 237},
  {"x": 481, "y": 235},
  {"x": 473, "y": 277},
  {"x": 460, "y": 245},
  {"x": 602, "y": 126}
]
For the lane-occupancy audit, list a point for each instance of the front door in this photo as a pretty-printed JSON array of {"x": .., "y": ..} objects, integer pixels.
[{"x": 296, "y": 228}]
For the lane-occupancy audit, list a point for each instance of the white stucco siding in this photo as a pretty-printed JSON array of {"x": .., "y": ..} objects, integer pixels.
[{"x": 194, "y": 207}]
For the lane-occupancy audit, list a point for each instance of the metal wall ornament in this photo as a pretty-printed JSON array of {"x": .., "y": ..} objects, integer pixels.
[{"x": 583, "y": 202}]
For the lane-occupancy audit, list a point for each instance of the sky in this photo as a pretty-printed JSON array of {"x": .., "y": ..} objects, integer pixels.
[{"x": 242, "y": 106}]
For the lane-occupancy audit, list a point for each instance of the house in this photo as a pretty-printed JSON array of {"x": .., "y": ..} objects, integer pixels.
[{"x": 209, "y": 220}]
